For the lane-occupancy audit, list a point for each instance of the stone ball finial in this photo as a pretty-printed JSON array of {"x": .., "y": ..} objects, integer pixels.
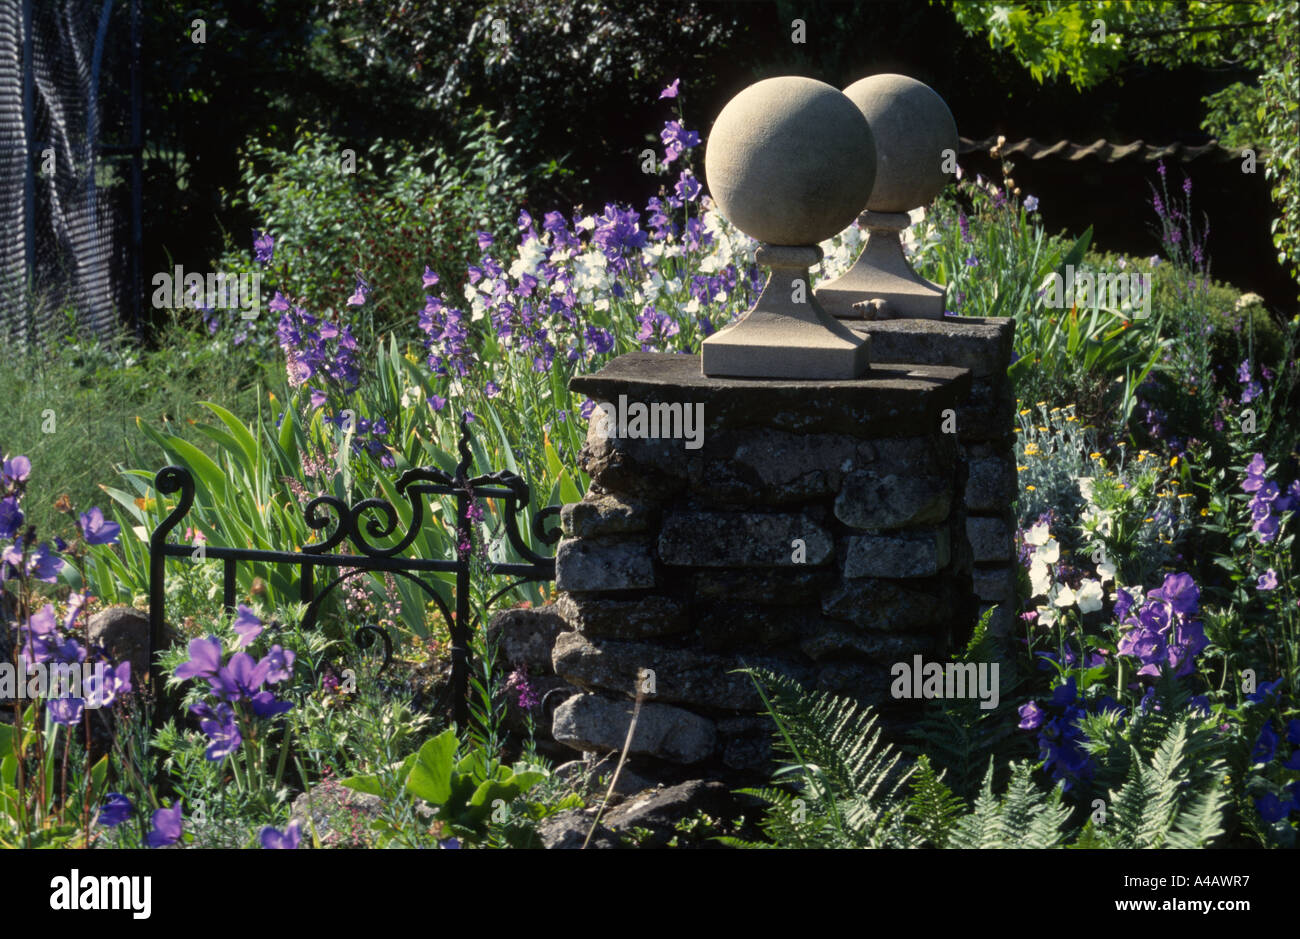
[
  {"x": 790, "y": 161},
  {"x": 912, "y": 126}
]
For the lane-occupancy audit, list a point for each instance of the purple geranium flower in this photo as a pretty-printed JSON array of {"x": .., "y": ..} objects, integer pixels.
[
  {"x": 274, "y": 839},
  {"x": 221, "y": 728},
  {"x": 167, "y": 826},
  {"x": 241, "y": 677},
  {"x": 266, "y": 706},
  {"x": 204, "y": 660},
  {"x": 116, "y": 809},
  {"x": 247, "y": 625}
]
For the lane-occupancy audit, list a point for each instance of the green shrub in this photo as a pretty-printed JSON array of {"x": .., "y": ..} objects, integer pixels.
[{"x": 383, "y": 214}]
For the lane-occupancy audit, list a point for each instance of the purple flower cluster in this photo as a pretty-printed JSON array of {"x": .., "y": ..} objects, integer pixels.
[
  {"x": 533, "y": 305},
  {"x": 15, "y": 559},
  {"x": 315, "y": 348},
  {"x": 240, "y": 680},
  {"x": 1163, "y": 632},
  {"x": 1253, "y": 389},
  {"x": 1060, "y": 738},
  {"x": 44, "y": 643},
  {"x": 369, "y": 436},
  {"x": 1268, "y": 502},
  {"x": 519, "y": 685},
  {"x": 1272, "y": 807}
]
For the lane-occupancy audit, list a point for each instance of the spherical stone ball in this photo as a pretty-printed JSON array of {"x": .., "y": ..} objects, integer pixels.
[
  {"x": 912, "y": 127},
  {"x": 790, "y": 161}
]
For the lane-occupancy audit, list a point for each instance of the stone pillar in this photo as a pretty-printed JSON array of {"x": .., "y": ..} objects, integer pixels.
[
  {"x": 984, "y": 431},
  {"x": 813, "y": 527}
]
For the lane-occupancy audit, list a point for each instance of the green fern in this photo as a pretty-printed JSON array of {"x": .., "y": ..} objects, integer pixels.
[
  {"x": 932, "y": 811},
  {"x": 847, "y": 779},
  {"x": 1174, "y": 798},
  {"x": 1023, "y": 818}
]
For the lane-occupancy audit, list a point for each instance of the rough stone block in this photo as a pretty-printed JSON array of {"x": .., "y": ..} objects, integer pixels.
[
  {"x": 742, "y": 539},
  {"x": 867, "y": 683},
  {"x": 884, "y": 648},
  {"x": 887, "y": 605},
  {"x": 989, "y": 412},
  {"x": 641, "y": 618},
  {"x": 525, "y": 636},
  {"x": 990, "y": 538},
  {"x": 592, "y": 722},
  {"x": 872, "y": 501},
  {"x": 761, "y": 466},
  {"x": 784, "y": 587},
  {"x": 991, "y": 483},
  {"x": 680, "y": 675},
  {"x": 746, "y": 742},
  {"x": 598, "y": 515},
  {"x": 589, "y": 565},
  {"x": 900, "y": 555},
  {"x": 995, "y": 583}
]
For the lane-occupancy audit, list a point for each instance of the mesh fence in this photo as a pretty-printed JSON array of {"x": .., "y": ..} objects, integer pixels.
[{"x": 64, "y": 109}]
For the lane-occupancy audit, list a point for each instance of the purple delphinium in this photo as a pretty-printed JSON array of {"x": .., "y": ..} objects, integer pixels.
[
  {"x": 1267, "y": 580},
  {"x": 672, "y": 90},
  {"x": 677, "y": 140},
  {"x": 1268, "y": 501},
  {"x": 1031, "y": 716},
  {"x": 167, "y": 827}
]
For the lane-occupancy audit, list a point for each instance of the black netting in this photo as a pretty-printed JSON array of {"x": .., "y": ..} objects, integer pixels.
[{"x": 64, "y": 167}]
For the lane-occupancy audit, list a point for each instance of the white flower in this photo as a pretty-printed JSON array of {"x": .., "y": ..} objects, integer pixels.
[
  {"x": 1065, "y": 597},
  {"x": 532, "y": 254},
  {"x": 1085, "y": 487},
  {"x": 1038, "y": 535},
  {"x": 1040, "y": 579},
  {"x": 587, "y": 223},
  {"x": 1106, "y": 571},
  {"x": 1046, "y": 615},
  {"x": 1049, "y": 553},
  {"x": 1089, "y": 596},
  {"x": 692, "y": 306}
]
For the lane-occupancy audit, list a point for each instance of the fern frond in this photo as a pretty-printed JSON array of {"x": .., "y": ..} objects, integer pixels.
[{"x": 933, "y": 810}]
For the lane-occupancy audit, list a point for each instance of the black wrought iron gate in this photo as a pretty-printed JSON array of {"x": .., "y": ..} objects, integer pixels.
[{"x": 414, "y": 485}]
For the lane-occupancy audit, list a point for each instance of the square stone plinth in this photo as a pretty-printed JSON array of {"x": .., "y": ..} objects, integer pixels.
[
  {"x": 979, "y": 343},
  {"x": 889, "y": 400}
]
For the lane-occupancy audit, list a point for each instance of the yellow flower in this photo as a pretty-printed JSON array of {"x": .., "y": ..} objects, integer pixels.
[
  {"x": 1094, "y": 456},
  {"x": 1184, "y": 495},
  {"x": 1071, "y": 418},
  {"x": 1031, "y": 488},
  {"x": 1042, "y": 404},
  {"x": 1148, "y": 520},
  {"x": 1031, "y": 449},
  {"x": 1054, "y": 410},
  {"x": 1142, "y": 456},
  {"x": 1043, "y": 430},
  {"x": 1021, "y": 469},
  {"x": 1174, "y": 461},
  {"x": 1024, "y": 412},
  {"x": 1205, "y": 512}
]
